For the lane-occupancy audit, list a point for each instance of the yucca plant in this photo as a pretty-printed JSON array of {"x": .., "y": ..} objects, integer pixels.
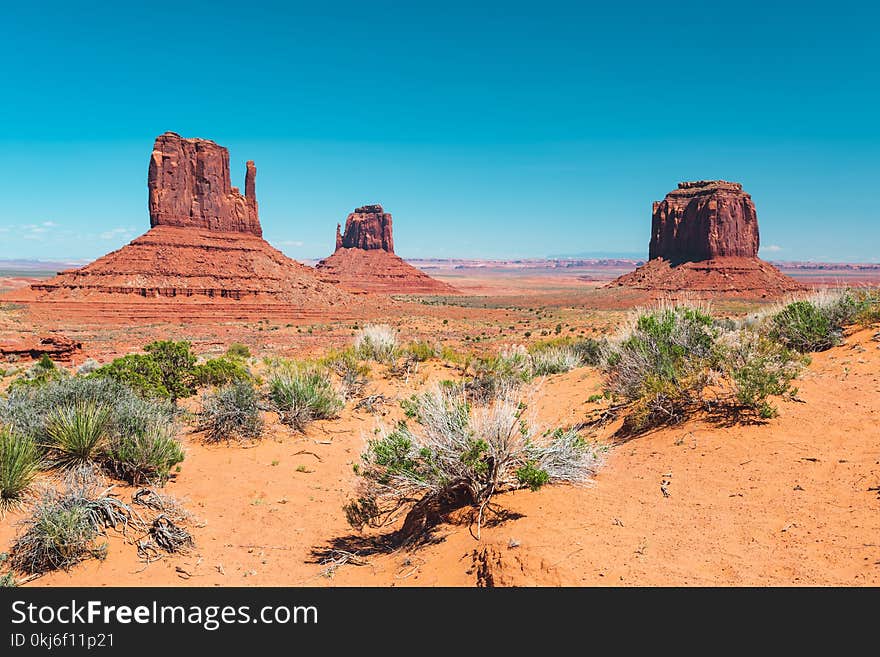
[
  {"x": 78, "y": 433},
  {"x": 20, "y": 460}
]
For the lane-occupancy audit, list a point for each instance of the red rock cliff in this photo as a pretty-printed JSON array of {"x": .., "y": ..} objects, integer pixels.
[
  {"x": 369, "y": 228},
  {"x": 704, "y": 220},
  {"x": 190, "y": 187}
]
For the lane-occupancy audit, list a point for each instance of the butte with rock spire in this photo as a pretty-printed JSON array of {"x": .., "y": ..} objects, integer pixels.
[{"x": 364, "y": 260}]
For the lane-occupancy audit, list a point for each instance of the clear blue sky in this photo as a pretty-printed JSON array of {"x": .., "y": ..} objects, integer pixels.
[{"x": 501, "y": 129}]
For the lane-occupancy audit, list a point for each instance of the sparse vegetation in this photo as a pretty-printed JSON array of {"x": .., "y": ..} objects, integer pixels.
[
  {"x": 20, "y": 461},
  {"x": 231, "y": 412},
  {"x": 41, "y": 373},
  {"x": 65, "y": 525},
  {"x": 661, "y": 367},
  {"x": 376, "y": 342},
  {"x": 239, "y": 350},
  {"x": 816, "y": 324},
  {"x": 460, "y": 455},
  {"x": 420, "y": 351},
  {"x": 145, "y": 457},
  {"x": 303, "y": 393}
]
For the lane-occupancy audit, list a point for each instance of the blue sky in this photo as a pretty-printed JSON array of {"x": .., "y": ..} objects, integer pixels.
[{"x": 488, "y": 129}]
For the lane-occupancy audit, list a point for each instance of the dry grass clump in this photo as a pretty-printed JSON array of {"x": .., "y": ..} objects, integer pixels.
[
  {"x": 232, "y": 412},
  {"x": 302, "y": 393},
  {"x": 376, "y": 342},
  {"x": 461, "y": 455}
]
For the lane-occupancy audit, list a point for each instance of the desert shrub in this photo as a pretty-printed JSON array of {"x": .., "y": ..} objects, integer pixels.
[
  {"x": 231, "y": 412},
  {"x": 20, "y": 461},
  {"x": 41, "y": 373},
  {"x": 168, "y": 369},
  {"x": 65, "y": 525},
  {"x": 238, "y": 350},
  {"x": 662, "y": 366},
  {"x": 420, "y": 351},
  {"x": 219, "y": 372},
  {"x": 816, "y": 323},
  {"x": 376, "y": 342},
  {"x": 88, "y": 367},
  {"x": 136, "y": 371},
  {"x": 555, "y": 360},
  {"x": 28, "y": 411},
  {"x": 78, "y": 433},
  {"x": 145, "y": 457},
  {"x": 302, "y": 394},
  {"x": 459, "y": 455},
  {"x": 803, "y": 326},
  {"x": 758, "y": 368},
  {"x": 588, "y": 350},
  {"x": 348, "y": 367}
]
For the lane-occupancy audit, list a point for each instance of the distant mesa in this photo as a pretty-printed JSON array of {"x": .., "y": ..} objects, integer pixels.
[
  {"x": 364, "y": 260},
  {"x": 704, "y": 239},
  {"x": 205, "y": 243}
]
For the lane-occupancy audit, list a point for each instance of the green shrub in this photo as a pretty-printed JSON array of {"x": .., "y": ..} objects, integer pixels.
[
  {"x": 219, "y": 372},
  {"x": 661, "y": 368},
  {"x": 78, "y": 433},
  {"x": 168, "y": 369},
  {"x": 28, "y": 411},
  {"x": 301, "y": 395},
  {"x": 759, "y": 368},
  {"x": 20, "y": 461},
  {"x": 803, "y": 326},
  {"x": 231, "y": 412},
  {"x": 238, "y": 350},
  {"x": 348, "y": 367},
  {"x": 146, "y": 457},
  {"x": 420, "y": 351}
]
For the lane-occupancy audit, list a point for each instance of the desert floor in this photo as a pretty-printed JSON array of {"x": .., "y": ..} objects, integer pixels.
[{"x": 786, "y": 502}]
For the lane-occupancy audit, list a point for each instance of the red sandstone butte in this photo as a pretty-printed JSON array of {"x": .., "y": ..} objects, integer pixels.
[
  {"x": 56, "y": 347},
  {"x": 364, "y": 260},
  {"x": 205, "y": 244},
  {"x": 190, "y": 187},
  {"x": 704, "y": 239}
]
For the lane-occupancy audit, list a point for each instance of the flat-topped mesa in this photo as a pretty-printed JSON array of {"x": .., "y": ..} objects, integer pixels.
[
  {"x": 190, "y": 187},
  {"x": 369, "y": 228},
  {"x": 703, "y": 220}
]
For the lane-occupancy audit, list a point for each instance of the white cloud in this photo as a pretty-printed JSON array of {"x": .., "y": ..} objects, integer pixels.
[
  {"x": 50, "y": 224},
  {"x": 773, "y": 248},
  {"x": 290, "y": 243}
]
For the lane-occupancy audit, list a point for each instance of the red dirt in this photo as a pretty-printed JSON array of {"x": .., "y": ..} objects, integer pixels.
[
  {"x": 726, "y": 277},
  {"x": 781, "y": 503}
]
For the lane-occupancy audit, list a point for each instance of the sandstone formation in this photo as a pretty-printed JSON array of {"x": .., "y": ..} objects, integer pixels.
[
  {"x": 364, "y": 260},
  {"x": 704, "y": 239},
  {"x": 368, "y": 228},
  {"x": 205, "y": 244},
  {"x": 56, "y": 347}
]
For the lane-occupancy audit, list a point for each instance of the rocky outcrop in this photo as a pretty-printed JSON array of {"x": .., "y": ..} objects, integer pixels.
[
  {"x": 704, "y": 239},
  {"x": 190, "y": 187},
  {"x": 205, "y": 245},
  {"x": 369, "y": 228},
  {"x": 57, "y": 347},
  {"x": 704, "y": 220},
  {"x": 364, "y": 259}
]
